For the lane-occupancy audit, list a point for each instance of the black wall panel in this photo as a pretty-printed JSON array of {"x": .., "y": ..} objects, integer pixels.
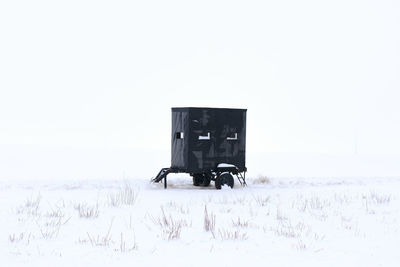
[{"x": 210, "y": 136}]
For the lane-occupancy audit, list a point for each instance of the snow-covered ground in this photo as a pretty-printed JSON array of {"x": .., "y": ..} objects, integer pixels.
[{"x": 271, "y": 222}]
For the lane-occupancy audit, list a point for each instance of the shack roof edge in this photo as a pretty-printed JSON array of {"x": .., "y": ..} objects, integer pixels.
[{"x": 203, "y": 108}]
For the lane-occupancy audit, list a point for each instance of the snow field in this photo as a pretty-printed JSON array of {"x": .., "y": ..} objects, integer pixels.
[{"x": 278, "y": 222}]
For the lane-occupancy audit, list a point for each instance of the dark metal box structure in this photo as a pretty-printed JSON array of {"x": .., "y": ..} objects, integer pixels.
[
  {"x": 209, "y": 144},
  {"x": 202, "y": 138}
]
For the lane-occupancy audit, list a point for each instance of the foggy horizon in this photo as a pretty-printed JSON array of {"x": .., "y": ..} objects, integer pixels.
[{"x": 316, "y": 78}]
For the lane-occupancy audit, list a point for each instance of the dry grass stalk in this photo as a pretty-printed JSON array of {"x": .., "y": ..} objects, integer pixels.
[
  {"x": 209, "y": 221},
  {"x": 279, "y": 215},
  {"x": 232, "y": 235},
  {"x": 286, "y": 229},
  {"x": 31, "y": 206},
  {"x": 86, "y": 211},
  {"x": 123, "y": 247},
  {"x": 311, "y": 204},
  {"x": 379, "y": 199},
  {"x": 16, "y": 238},
  {"x": 300, "y": 245},
  {"x": 101, "y": 240},
  {"x": 261, "y": 200},
  {"x": 171, "y": 228},
  {"x": 58, "y": 213},
  {"x": 125, "y": 196},
  {"x": 240, "y": 223},
  {"x": 51, "y": 228},
  {"x": 49, "y": 232}
]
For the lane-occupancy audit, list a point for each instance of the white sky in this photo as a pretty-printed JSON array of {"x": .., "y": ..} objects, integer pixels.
[{"x": 314, "y": 75}]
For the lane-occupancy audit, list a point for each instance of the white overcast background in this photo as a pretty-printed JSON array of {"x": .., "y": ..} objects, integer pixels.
[{"x": 86, "y": 87}]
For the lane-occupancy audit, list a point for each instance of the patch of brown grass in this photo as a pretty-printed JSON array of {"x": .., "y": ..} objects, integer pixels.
[{"x": 261, "y": 180}]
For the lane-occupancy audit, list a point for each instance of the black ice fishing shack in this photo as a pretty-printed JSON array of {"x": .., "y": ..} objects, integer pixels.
[{"x": 209, "y": 144}]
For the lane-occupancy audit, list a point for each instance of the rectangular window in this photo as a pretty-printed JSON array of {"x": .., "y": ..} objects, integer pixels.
[
  {"x": 205, "y": 137},
  {"x": 232, "y": 136},
  {"x": 179, "y": 135}
]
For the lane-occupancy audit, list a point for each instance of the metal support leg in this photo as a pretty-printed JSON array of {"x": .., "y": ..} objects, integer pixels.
[
  {"x": 242, "y": 178},
  {"x": 165, "y": 182}
]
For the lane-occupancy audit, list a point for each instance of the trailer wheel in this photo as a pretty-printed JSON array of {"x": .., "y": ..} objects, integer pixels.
[
  {"x": 198, "y": 179},
  {"x": 206, "y": 180},
  {"x": 224, "y": 178}
]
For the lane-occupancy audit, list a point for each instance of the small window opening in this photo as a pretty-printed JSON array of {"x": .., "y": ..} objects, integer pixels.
[
  {"x": 205, "y": 137},
  {"x": 232, "y": 136},
  {"x": 179, "y": 135}
]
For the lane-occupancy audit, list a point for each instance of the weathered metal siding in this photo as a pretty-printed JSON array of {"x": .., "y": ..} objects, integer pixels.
[{"x": 196, "y": 154}]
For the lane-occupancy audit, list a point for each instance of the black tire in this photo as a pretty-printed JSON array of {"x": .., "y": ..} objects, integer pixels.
[
  {"x": 206, "y": 180},
  {"x": 198, "y": 179},
  {"x": 224, "y": 178}
]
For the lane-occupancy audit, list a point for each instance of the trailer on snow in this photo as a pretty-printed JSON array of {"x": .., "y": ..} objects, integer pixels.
[{"x": 209, "y": 144}]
